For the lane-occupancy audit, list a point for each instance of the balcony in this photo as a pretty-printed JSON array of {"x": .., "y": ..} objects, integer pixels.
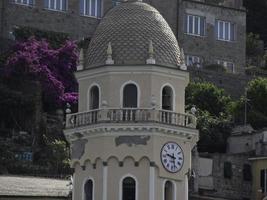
[{"x": 128, "y": 116}]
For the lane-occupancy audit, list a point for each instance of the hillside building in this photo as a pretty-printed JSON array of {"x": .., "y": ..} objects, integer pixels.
[{"x": 211, "y": 32}]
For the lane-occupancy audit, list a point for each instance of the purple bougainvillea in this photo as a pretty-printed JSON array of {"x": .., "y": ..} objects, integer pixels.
[{"x": 53, "y": 68}]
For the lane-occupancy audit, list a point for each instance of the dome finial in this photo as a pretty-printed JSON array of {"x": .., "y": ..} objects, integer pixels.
[
  {"x": 109, "y": 60},
  {"x": 81, "y": 60},
  {"x": 151, "y": 59},
  {"x": 182, "y": 57}
]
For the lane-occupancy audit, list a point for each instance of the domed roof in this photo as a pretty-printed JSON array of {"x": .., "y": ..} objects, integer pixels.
[{"x": 130, "y": 27}]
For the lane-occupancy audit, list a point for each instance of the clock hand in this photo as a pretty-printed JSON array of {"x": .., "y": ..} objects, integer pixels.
[{"x": 172, "y": 156}]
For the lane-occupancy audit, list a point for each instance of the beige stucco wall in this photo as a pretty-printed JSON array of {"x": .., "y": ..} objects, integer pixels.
[
  {"x": 150, "y": 80},
  {"x": 116, "y": 173},
  {"x": 257, "y": 166},
  {"x": 104, "y": 146},
  {"x": 107, "y": 152}
]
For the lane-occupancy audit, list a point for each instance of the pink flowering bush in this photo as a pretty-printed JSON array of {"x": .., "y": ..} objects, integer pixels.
[{"x": 53, "y": 68}]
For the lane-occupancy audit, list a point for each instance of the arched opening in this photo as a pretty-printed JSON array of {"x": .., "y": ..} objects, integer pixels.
[
  {"x": 167, "y": 98},
  {"x": 130, "y": 96},
  {"x": 94, "y": 98},
  {"x": 88, "y": 190},
  {"x": 128, "y": 189},
  {"x": 168, "y": 191}
]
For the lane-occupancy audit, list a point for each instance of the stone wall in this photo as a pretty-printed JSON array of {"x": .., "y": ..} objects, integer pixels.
[
  {"x": 228, "y": 188},
  {"x": 233, "y": 84},
  {"x": 208, "y": 47},
  {"x": 37, "y": 16}
]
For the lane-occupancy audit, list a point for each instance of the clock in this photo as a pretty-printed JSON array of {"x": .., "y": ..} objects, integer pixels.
[{"x": 172, "y": 157}]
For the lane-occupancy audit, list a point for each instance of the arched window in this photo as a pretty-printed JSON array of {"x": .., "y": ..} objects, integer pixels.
[
  {"x": 167, "y": 98},
  {"x": 94, "y": 98},
  {"x": 168, "y": 191},
  {"x": 130, "y": 96},
  {"x": 128, "y": 189},
  {"x": 88, "y": 190}
]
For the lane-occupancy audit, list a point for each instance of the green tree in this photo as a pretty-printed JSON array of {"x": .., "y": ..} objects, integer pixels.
[
  {"x": 207, "y": 97},
  {"x": 257, "y": 105},
  {"x": 213, "y": 116}
]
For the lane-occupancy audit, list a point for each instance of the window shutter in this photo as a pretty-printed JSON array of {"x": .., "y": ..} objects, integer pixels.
[
  {"x": 233, "y": 32},
  {"x": 228, "y": 170},
  {"x": 263, "y": 180},
  {"x": 99, "y": 8},
  {"x": 185, "y": 23},
  {"x": 46, "y": 3},
  {"x": 202, "y": 26},
  {"x": 217, "y": 29},
  {"x": 82, "y": 7}
]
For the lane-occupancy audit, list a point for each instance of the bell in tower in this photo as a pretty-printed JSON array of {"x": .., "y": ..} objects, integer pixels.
[{"x": 131, "y": 138}]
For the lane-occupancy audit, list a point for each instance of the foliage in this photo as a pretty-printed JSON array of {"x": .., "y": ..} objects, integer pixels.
[
  {"x": 213, "y": 117},
  {"x": 257, "y": 95},
  {"x": 253, "y": 45},
  {"x": 254, "y": 50},
  {"x": 256, "y": 104},
  {"x": 54, "y": 68},
  {"x": 55, "y": 39},
  {"x": 59, "y": 155},
  {"x": 256, "y": 17},
  {"x": 206, "y": 96}
]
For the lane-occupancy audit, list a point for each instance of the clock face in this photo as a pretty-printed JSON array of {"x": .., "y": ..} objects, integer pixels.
[{"x": 172, "y": 157}]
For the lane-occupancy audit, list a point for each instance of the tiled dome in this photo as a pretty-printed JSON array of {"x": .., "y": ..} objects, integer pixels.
[{"x": 129, "y": 27}]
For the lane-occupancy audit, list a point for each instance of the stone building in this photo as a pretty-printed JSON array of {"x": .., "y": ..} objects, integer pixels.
[
  {"x": 211, "y": 32},
  {"x": 131, "y": 139},
  {"x": 240, "y": 173}
]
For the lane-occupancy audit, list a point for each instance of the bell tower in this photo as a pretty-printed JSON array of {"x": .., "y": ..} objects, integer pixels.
[{"x": 131, "y": 138}]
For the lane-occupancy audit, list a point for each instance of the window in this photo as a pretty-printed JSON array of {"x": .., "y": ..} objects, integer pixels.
[
  {"x": 88, "y": 190},
  {"x": 168, "y": 191},
  {"x": 24, "y": 2},
  {"x": 60, "y": 5},
  {"x": 94, "y": 98},
  {"x": 115, "y": 3},
  {"x": 128, "y": 189},
  {"x": 227, "y": 170},
  {"x": 247, "y": 176},
  {"x": 229, "y": 66},
  {"x": 195, "y": 25},
  {"x": 225, "y": 30},
  {"x": 263, "y": 181},
  {"x": 167, "y": 98},
  {"x": 90, "y": 8},
  {"x": 193, "y": 61},
  {"x": 130, "y": 96}
]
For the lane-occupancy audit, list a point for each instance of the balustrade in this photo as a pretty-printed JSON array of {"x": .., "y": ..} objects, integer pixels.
[{"x": 129, "y": 115}]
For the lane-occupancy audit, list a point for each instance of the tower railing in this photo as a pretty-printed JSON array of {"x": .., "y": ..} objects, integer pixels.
[{"x": 129, "y": 115}]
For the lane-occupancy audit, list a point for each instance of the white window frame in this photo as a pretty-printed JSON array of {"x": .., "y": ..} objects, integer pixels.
[
  {"x": 21, "y": 2},
  {"x": 189, "y": 63},
  {"x": 174, "y": 189},
  {"x": 229, "y": 26},
  {"x": 173, "y": 95},
  {"x": 121, "y": 185},
  {"x": 194, "y": 19},
  {"x": 225, "y": 64},
  {"x": 84, "y": 182},
  {"x": 116, "y": 3},
  {"x": 89, "y": 97},
  {"x": 96, "y": 15},
  {"x": 54, "y": 7}
]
